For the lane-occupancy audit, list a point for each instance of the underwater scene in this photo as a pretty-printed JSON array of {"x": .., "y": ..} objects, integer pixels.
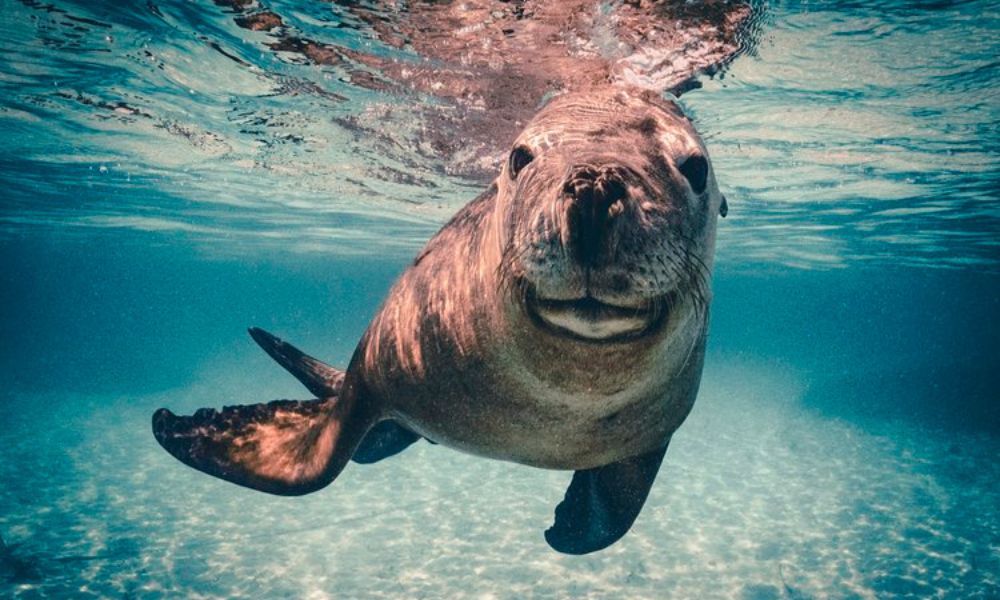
[{"x": 176, "y": 171}]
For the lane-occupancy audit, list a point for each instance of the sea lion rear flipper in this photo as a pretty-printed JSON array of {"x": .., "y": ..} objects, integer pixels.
[
  {"x": 385, "y": 439},
  {"x": 319, "y": 378},
  {"x": 285, "y": 447},
  {"x": 602, "y": 503}
]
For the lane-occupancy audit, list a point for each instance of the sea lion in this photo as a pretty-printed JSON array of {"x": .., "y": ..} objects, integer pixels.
[{"x": 558, "y": 320}]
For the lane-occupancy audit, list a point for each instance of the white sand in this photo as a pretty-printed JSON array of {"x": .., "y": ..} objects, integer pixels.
[{"x": 758, "y": 498}]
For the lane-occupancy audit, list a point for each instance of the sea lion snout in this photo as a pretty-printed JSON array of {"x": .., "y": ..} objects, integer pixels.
[{"x": 597, "y": 195}]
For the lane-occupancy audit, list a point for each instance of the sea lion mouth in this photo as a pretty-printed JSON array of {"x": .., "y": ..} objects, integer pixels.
[{"x": 590, "y": 319}]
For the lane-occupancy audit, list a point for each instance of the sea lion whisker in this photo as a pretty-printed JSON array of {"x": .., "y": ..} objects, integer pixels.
[
  {"x": 510, "y": 258},
  {"x": 688, "y": 275},
  {"x": 698, "y": 267}
]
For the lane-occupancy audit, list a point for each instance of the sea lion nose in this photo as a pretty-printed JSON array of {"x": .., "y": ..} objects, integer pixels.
[{"x": 597, "y": 196}]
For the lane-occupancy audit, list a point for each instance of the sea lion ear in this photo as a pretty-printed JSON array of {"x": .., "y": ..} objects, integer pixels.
[
  {"x": 602, "y": 503},
  {"x": 723, "y": 208}
]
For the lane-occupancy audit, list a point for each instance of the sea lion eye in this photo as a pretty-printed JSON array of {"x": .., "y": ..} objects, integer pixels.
[
  {"x": 519, "y": 158},
  {"x": 695, "y": 170}
]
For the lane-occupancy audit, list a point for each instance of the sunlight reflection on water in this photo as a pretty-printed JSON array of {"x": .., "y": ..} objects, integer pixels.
[{"x": 850, "y": 134}]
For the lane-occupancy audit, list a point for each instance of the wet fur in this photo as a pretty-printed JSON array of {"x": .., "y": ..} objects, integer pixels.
[{"x": 453, "y": 354}]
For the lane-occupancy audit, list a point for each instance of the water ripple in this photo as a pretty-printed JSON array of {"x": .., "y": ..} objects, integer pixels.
[{"x": 849, "y": 133}]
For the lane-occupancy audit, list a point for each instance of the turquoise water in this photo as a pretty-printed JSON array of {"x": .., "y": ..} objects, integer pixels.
[{"x": 159, "y": 196}]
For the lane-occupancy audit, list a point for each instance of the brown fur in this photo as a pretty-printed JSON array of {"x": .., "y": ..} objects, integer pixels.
[{"x": 455, "y": 356}]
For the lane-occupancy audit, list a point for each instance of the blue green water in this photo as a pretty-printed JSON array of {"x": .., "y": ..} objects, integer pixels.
[{"x": 845, "y": 440}]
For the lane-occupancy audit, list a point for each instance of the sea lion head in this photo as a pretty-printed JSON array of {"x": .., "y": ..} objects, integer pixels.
[{"x": 609, "y": 207}]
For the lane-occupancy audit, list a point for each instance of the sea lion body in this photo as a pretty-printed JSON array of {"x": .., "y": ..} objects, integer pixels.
[{"x": 457, "y": 358}]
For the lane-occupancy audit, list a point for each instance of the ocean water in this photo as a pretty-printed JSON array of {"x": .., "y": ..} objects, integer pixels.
[{"x": 167, "y": 180}]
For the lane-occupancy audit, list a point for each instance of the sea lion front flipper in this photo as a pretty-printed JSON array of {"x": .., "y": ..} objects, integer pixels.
[
  {"x": 285, "y": 447},
  {"x": 602, "y": 503},
  {"x": 385, "y": 439},
  {"x": 319, "y": 378}
]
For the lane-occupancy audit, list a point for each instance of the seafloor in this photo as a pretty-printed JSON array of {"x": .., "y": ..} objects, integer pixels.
[{"x": 831, "y": 453}]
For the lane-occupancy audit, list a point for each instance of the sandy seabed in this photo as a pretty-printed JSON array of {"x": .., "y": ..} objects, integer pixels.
[{"x": 758, "y": 498}]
